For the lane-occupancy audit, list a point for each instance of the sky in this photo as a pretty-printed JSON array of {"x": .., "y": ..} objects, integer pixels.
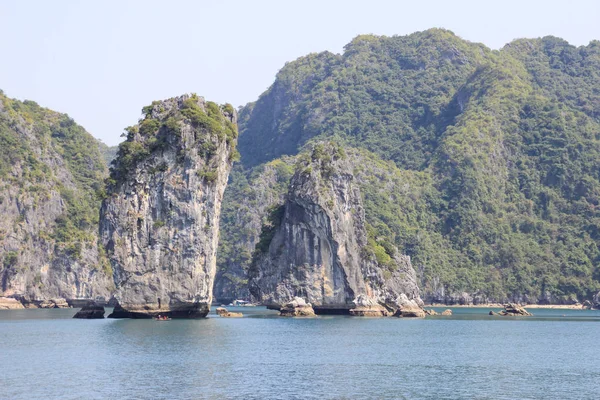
[{"x": 102, "y": 61}]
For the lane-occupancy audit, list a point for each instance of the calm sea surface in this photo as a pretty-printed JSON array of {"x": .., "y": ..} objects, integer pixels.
[{"x": 44, "y": 354}]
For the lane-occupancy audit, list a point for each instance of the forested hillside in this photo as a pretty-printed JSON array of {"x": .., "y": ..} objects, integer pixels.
[
  {"x": 481, "y": 165},
  {"x": 51, "y": 173}
]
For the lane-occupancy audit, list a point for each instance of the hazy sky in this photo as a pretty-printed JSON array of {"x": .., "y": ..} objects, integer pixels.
[{"x": 102, "y": 61}]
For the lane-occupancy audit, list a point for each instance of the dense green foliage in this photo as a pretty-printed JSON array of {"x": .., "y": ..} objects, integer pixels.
[
  {"x": 390, "y": 95},
  {"x": 492, "y": 178},
  {"x": 109, "y": 153}
]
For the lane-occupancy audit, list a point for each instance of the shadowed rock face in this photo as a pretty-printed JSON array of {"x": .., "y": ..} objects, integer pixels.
[
  {"x": 90, "y": 311},
  {"x": 317, "y": 247},
  {"x": 159, "y": 223}
]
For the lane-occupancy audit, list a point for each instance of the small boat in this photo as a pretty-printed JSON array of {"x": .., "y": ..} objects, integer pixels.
[
  {"x": 242, "y": 303},
  {"x": 162, "y": 318}
]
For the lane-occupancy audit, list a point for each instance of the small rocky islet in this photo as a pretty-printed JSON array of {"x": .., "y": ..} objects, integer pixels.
[
  {"x": 223, "y": 312},
  {"x": 512, "y": 310}
]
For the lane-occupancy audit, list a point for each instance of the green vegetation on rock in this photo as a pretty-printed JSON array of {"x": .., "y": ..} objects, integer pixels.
[{"x": 160, "y": 128}]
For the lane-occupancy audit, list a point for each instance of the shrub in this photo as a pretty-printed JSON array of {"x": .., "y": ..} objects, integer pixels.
[
  {"x": 172, "y": 126},
  {"x": 149, "y": 126},
  {"x": 274, "y": 217},
  {"x": 228, "y": 108},
  {"x": 234, "y": 156},
  {"x": 208, "y": 175},
  {"x": 10, "y": 259}
]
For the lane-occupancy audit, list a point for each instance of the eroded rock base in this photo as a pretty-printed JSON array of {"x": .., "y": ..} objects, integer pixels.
[
  {"x": 193, "y": 312},
  {"x": 367, "y": 307},
  {"x": 90, "y": 311},
  {"x": 369, "y": 312}
]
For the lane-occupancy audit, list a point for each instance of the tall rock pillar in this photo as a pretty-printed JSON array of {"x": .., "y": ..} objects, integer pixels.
[{"x": 159, "y": 222}]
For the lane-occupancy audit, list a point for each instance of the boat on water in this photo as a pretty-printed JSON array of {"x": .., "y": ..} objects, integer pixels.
[
  {"x": 242, "y": 303},
  {"x": 161, "y": 318}
]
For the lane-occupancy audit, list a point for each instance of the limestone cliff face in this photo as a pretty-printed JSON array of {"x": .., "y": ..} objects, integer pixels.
[
  {"x": 246, "y": 203},
  {"x": 50, "y": 168},
  {"x": 317, "y": 246},
  {"x": 160, "y": 221}
]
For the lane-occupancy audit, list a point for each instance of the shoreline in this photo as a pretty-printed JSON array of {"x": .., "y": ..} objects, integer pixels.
[{"x": 501, "y": 306}]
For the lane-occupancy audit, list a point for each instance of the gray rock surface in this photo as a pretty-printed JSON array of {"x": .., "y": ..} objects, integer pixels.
[
  {"x": 160, "y": 221},
  {"x": 317, "y": 248},
  {"x": 408, "y": 308},
  {"x": 53, "y": 303},
  {"x": 512, "y": 310},
  {"x": 246, "y": 202},
  {"x": 297, "y": 307},
  {"x": 368, "y": 307}
]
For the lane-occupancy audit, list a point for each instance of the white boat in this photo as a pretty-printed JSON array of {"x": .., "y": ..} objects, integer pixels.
[{"x": 242, "y": 303}]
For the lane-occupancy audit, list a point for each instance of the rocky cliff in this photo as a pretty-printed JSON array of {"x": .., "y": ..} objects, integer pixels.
[
  {"x": 160, "y": 220},
  {"x": 50, "y": 170},
  {"x": 246, "y": 203},
  {"x": 316, "y": 246}
]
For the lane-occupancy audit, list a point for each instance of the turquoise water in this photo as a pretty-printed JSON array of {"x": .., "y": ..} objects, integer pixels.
[{"x": 554, "y": 355}]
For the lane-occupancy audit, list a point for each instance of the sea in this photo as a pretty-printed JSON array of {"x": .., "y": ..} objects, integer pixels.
[{"x": 45, "y": 354}]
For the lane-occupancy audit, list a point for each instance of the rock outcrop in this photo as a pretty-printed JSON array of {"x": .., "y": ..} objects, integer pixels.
[
  {"x": 408, "y": 308},
  {"x": 90, "y": 311},
  {"x": 316, "y": 245},
  {"x": 514, "y": 310},
  {"x": 50, "y": 170},
  {"x": 298, "y": 307},
  {"x": 586, "y": 305},
  {"x": 595, "y": 303},
  {"x": 223, "y": 312},
  {"x": 434, "y": 313},
  {"x": 8, "y": 303},
  {"x": 160, "y": 220},
  {"x": 53, "y": 303},
  {"x": 368, "y": 307}
]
